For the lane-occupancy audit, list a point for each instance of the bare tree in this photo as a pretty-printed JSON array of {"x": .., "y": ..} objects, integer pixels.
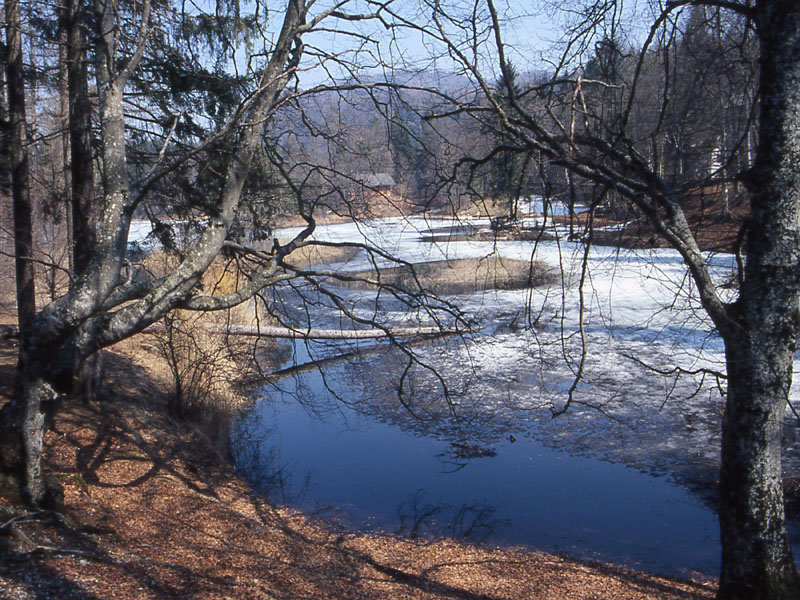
[
  {"x": 620, "y": 150},
  {"x": 20, "y": 185},
  {"x": 147, "y": 154},
  {"x": 601, "y": 127}
]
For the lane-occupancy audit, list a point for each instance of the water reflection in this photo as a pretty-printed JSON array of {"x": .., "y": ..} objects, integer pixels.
[
  {"x": 509, "y": 383},
  {"x": 598, "y": 482},
  {"x": 473, "y": 522},
  {"x": 457, "y": 469}
]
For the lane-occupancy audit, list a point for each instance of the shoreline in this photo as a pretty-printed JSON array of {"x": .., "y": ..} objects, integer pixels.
[{"x": 152, "y": 511}]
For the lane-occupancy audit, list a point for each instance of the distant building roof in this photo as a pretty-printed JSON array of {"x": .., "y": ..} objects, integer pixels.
[{"x": 375, "y": 180}]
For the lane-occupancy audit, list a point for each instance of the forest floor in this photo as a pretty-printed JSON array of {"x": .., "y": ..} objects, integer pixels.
[{"x": 151, "y": 510}]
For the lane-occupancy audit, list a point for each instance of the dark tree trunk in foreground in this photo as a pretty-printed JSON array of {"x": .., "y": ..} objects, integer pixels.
[
  {"x": 80, "y": 139},
  {"x": 756, "y": 558},
  {"x": 82, "y": 209},
  {"x": 761, "y": 336},
  {"x": 22, "y": 421},
  {"x": 20, "y": 190}
]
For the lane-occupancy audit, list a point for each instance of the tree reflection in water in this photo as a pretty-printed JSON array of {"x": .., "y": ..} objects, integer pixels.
[
  {"x": 339, "y": 443},
  {"x": 420, "y": 518}
]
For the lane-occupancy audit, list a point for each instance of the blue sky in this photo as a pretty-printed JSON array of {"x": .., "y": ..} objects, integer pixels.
[{"x": 532, "y": 31}]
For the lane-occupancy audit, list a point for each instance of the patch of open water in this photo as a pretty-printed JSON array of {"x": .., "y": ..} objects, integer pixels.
[
  {"x": 332, "y": 453},
  {"x": 615, "y": 479},
  {"x": 378, "y": 476}
]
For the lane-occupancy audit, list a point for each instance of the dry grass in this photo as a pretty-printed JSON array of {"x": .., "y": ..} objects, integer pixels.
[
  {"x": 321, "y": 255},
  {"x": 370, "y": 205},
  {"x": 205, "y": 370},
  {"x": 458, "y": 276},
  {"x": 485, "y": 207}
]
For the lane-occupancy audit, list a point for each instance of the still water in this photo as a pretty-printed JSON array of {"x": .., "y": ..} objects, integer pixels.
[{"x": 318, "y": 443}]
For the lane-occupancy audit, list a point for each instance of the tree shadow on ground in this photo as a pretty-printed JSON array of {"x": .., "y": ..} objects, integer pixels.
[
  {"x": 37, "y": 582},
  {"x": 433, "y": 577}
]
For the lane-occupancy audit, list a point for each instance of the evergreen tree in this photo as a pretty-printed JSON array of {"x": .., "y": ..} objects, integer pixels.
[{"x": 507, "y": 171}]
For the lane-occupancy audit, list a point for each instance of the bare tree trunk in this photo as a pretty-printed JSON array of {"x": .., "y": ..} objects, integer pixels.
[
  {"x": 726, "y": 204},
  {"x": 756, "y": 558},
  {"x": 761, "y": 338},
  {"x": 570, "y": 202},
  {"x": 80, "y": 140},
  {"x": 83, "y": 211},
  {"x": 22, "y": 442},
  {"x": 20, "y": 188},
  {"x": 63, "y": 97},
  {"x": 22, "y": 429},
  {"x": 271, "y": 331}
]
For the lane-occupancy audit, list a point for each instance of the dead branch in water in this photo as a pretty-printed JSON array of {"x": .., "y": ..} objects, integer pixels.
[{"x": 313, "y": 333}]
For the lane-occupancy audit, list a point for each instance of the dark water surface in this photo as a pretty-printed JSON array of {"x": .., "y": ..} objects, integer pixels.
[{"x": 329, "y": 457}]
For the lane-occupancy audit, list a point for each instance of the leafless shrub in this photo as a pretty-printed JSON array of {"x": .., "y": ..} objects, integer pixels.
[
  {"x": 207, "y": 366},
  {"x": 204, "y": 367}
]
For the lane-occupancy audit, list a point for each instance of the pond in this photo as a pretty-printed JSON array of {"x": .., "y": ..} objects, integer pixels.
[
  {"x": 330, "y": 458},
  {"x": 625, "y": 475}
]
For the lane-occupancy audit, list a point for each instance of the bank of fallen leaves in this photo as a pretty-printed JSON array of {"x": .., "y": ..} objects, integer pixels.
[{"x": 150, "y": 511}]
